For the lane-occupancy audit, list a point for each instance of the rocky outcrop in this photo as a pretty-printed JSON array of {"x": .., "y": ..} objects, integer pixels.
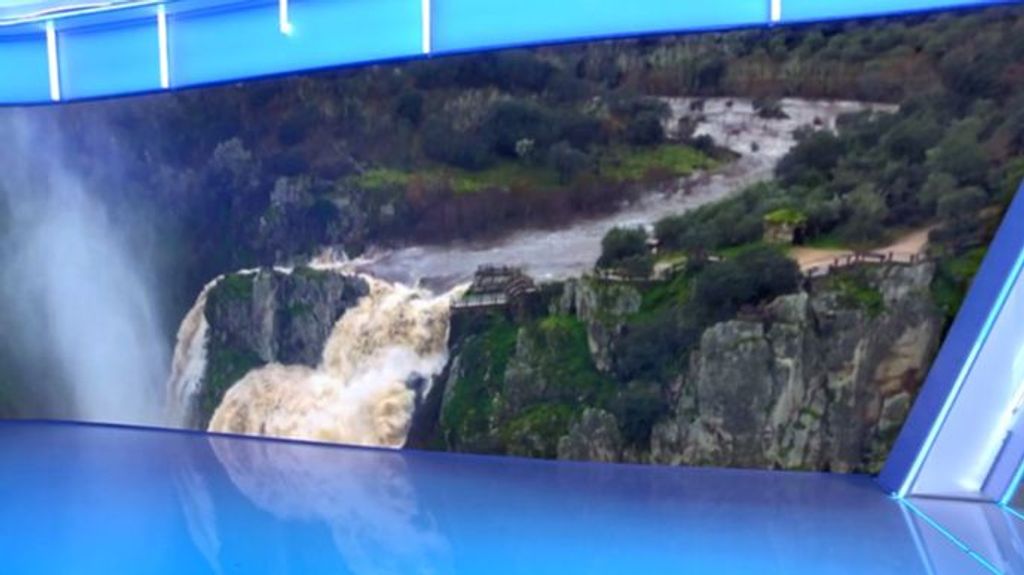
[
  {"x": 595, "y": 437},
  {"x": 280, "y": 317},
  {"x": 822, "y": 380},
  {"x": 603, "y": 308},
  {"x": 269, "y": 316}
]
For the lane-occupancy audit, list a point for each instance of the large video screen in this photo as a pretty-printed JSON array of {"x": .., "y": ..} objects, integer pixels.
[{"x": 731, "y": 249}]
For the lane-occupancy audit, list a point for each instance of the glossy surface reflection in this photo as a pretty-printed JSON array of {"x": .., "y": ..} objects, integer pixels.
[{"x": 90, "y": 499}]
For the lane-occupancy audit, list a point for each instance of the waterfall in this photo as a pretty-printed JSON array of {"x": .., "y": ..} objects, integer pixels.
[
  {"x": 362, "y": 392},
  {"x": 189, "y": 362},
  {"x": 75, "y": 294}
]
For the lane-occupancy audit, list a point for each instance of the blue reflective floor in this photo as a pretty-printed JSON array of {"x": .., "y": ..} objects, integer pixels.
[{"x": 93, "y": 499}]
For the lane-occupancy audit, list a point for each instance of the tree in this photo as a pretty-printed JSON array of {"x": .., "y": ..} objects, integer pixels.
[
  {"x": 639, "y": 406},
  {"x": 960, "y": 208},
  {"x": 410, "y": 107},
  {"x": 936, "y": 186},
  {"x": 911, "y": 138},
  {"x": 512, "y": 121},
  {"x": 463, "y": 149},
  {"x": 1013, "y": 178},
  {"x": 867, "y": 212},
  {"x": 812, "y": 160},
  {"x": 645, "y": 129},
  {"x": 567, "y": 161},
  {"x": 626, "y": 250},
  {"x": 756, "y": 275},
  {"x": 960, "y": 155}
]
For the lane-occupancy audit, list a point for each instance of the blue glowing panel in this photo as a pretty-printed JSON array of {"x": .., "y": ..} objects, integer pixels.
[
  {"x": 90, "y": 499},
  {"x": 950, "y": 371},
  {"x": 325, "y": 33},
  {"x": 806, "y": 10},
  {"x": 461, "y": 25},
  {"x": 24, "y": 76},
  {"x": 88, "y": 55},
  {"x": 988, "y": 530}
]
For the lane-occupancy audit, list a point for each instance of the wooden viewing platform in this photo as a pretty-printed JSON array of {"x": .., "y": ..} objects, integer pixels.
[
  {"x": 862, "y": 258},
  {"x": 497, "y": 287}
]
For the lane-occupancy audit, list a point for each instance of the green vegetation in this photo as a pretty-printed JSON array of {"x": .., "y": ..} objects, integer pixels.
[
  {"x": 468, "y": 413},
  {"x": 235, "y": 287},
  {"x": 224, "y": 367},
  {"x": 567, "y": 366},
  {"x": 952, "y": 279},
  {"x": 487, "y": 411},
  {"x": 667, "y": 295},
  {"x": 856, "y": 289},
  {"x": 565, "y": 164},
  {"x": 788, "y": 216},
  {"x": 534, "y": 432},
  {"x": 661, "y": 162},
  {"x": 673, "y": 315},
  {"x": 382, "y": 179},
  {"x": 736, "y": 221},
  {"x": 625, "y": 250}
]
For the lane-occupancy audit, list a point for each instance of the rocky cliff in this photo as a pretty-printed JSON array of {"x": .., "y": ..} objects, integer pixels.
[
  {"x": 270, "y": 316},
  {"x": 822, "y": 380},
  {"x": 819, "y": 379}
]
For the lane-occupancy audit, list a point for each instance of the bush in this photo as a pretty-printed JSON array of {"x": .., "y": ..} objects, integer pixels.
[
  {"x": 410, "y": 107},
  {"x": 756, "y": 275},
  {"x": 867, "y": 214},
  {"x": 567, "y": 161},
  {"x": 622, "y": 244},
  {"x": 960, "y": 155},
  {"x": 637, "y": 409},
  {"x": 811, "y": 161},
  {"x": 583, "y": 131},
  {"x": 645, "y": 129},
  {"x": 960, "y": 209},
  {"x": 296, "y": 125},
  {"x": 513, "y": 121},
  {"x": 443, "y": 143},
  {"x": 656, "y": 346}
]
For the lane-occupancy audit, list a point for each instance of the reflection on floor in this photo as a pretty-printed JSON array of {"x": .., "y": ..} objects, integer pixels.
[{"x": 94, "y": 499}]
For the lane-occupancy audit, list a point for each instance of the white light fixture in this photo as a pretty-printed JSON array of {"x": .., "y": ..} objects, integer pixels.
[
  {"x": 776, "y": 10},
  {"x": 425, "y": 19},
  {"x": 161, "y": 31},
  {"x": 284, "y": 23},
  {"x": 52, "y": 62}
]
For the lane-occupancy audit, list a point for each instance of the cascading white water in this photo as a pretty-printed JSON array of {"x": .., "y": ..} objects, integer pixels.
[
  {"x": 359, "y": 394},
  {"x": 74, "y": 287},
  {"x": 189, "y": 362}
]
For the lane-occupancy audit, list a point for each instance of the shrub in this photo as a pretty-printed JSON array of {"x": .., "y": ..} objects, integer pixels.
[
  {"x": 515, "y": 120},
  {"x": 410, "y": 107},
  {"x": 621, "y": 244},
  {"x": 567, "y": 161},
  {"x": 443, "y": 143},
  {"x": 645, "y": 129},
  {"x": 756, "y": 275}
]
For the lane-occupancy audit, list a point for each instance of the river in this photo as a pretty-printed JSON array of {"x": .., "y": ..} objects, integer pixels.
[{"x": 554, "y": 254}]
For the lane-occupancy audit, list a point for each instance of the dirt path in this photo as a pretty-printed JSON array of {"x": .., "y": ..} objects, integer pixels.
[{"x": 911, "y": 244}]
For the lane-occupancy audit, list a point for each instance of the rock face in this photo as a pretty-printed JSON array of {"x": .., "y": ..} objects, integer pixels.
[
  {"x": 595, "y": 437},
  {"x": 602, "y": 308},
  {"x": 269, "y": 316},
  {"x": 820, "y": 379},
  {"x": 280, "y": 317},
  {"x": 818, "y": 382}
]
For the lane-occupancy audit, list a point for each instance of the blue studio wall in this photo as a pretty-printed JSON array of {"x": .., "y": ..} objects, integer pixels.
[{"x": 119, "y": 51}]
